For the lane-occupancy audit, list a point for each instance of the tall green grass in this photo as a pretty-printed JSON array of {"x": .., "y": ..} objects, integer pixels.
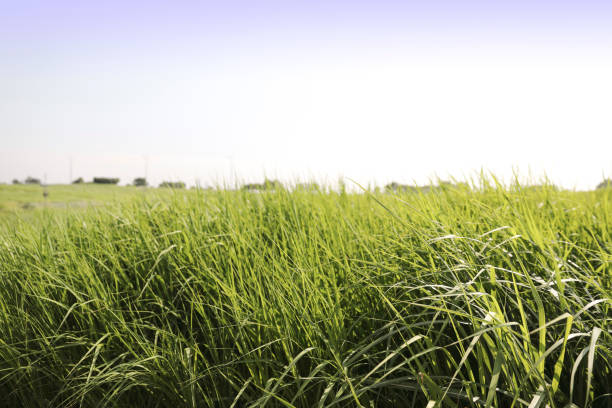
[{"x": 488, "y": 297}]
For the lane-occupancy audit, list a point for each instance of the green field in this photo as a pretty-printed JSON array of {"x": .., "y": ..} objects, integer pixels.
[
  {"x": 486, "y": 296},
  {"x": 27, "y": 197}
]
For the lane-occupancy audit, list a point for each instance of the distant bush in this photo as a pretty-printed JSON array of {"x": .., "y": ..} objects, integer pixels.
[
  {"x": 607, "y": 183},
  {"x": 140, "y": 182},
  {"x": 308, "y": 186},
  {"x": 395, "y": 187},
  {"x": 15, "y": 181},
  {"x": 266, "y": 185},
  {"x": 78, "y": 181},
  {"x": 540, "y": 187},
  {"x": 105, "y": 180},
  {"x": 32, "y": 180},
  {"x": 172, "y": 184}
]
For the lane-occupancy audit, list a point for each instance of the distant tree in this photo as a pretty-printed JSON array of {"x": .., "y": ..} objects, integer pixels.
[
  {"x": 607, "y": 183},
  {"x": 253, "y": 186},
  {"x": 15, "y": 181},
  {"x": 272, "y": 184},
  {"x": 32, "y": 180},
  {"x": 140, "y": 182},
  {"x": 105, "y": 180},
  {"x": 172, "y": 184},
  {"x": 78, "y": 181}
]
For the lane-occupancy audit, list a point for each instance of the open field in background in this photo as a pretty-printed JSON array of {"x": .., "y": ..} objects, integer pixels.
[
  {"x": 28, "y": 196},
  {"x": 499, "y": 297}
]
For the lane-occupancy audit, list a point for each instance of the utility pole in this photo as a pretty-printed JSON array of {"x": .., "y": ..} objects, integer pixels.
[
  {"x": 45, "y": 191},
  {"x": 70, "y": 179},
  {"x": 233, "y": 176},
  {"x": 146, "y": 159}
]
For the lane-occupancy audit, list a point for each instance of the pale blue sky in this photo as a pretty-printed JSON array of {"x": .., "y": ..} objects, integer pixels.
[{"x": 375, "y": 91}]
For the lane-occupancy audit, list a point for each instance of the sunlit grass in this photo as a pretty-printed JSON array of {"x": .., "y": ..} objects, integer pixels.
[{"x": 488, "y": 297}]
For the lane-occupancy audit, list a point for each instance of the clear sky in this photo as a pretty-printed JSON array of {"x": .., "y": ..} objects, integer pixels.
[{"x": 376, "y": 91}]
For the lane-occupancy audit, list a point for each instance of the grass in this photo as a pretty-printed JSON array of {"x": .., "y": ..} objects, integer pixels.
[{"x": 487, "y": 297}]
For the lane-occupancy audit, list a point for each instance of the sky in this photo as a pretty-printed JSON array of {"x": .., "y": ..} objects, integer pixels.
[{"x": 214, "y": 92}]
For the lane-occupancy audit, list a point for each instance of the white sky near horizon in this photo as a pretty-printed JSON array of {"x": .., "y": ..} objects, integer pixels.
[{"x": 375, "y": 92}]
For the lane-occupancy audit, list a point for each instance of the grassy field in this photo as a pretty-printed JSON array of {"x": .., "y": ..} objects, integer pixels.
[
  {"x": 487, "y": 297},
  {"x": 28, "y": 196}
]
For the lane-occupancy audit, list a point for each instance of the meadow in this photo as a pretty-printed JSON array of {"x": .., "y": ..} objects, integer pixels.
[
  {"x": 71, "y": 196},
  {"x": 476, "y": 295}
]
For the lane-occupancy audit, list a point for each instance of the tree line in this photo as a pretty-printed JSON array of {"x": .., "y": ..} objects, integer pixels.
[{"x": 393, "y": 187}]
